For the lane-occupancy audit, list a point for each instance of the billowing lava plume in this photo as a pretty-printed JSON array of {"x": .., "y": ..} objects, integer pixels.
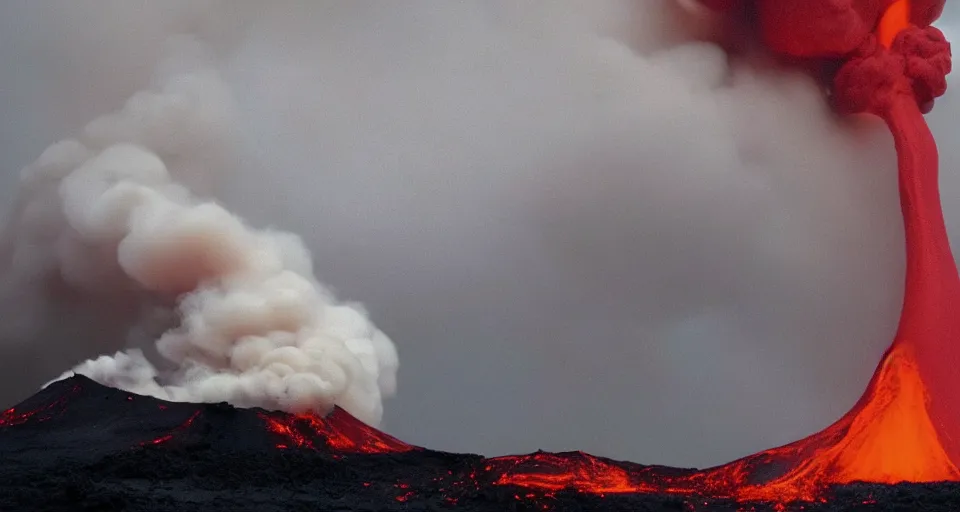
[{"x": 905, "y": 426}]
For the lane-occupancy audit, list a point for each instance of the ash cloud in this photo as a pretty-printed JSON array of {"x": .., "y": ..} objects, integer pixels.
[{"x": 583, "y": 229}]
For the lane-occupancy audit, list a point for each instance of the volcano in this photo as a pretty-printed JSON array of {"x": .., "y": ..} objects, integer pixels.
[{"x": 78, "y": 445}]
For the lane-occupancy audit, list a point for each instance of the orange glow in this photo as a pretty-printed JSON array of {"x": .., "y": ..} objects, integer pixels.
[
  {"x": 892, "y": 437},
  {"x": 888, "y": 438},
  {"x": 338, "y": 432},
  {"x": 177, "y": 431},
  {"x": 894, "y": 20},
  {"x": 14, "y": 416},
  {"x": 555, "y": 472}
]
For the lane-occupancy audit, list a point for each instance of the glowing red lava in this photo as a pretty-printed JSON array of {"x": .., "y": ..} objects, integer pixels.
[
  {"x": 894, "y": 20},
  {"x": 556, "y": 472},
  {"x": 14, "y": 416},
  {"x": 338, "y": 432},
  {"x": 185, "y": 426}
]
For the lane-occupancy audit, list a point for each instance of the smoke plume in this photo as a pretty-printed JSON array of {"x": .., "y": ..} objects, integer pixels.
[
  {"x": 253, "y": 325},
  {"x": 585, "y": 227}
]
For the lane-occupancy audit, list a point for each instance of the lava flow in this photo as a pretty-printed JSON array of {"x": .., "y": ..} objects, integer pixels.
[{"x": 338, "y": 431}]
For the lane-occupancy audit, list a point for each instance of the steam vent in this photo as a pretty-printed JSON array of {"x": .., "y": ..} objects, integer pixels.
[{"x": 80, "y": 445}]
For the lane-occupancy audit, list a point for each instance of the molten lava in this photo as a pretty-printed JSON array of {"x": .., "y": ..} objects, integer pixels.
[
  {"x": 337, "y": 432},
  {"x": 893, "y": 21},
  {"x": 556, "y": 472}
]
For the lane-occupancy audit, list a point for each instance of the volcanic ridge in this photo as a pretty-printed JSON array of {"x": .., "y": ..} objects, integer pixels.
[{"x": 78, "y": 445}]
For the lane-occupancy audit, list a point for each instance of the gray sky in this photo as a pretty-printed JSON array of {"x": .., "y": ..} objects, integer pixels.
[{"x": 574, "y": 244}]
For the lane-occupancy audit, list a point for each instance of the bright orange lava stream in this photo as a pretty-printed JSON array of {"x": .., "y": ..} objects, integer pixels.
[
  {"x": 895, "y": 19},
  {"x": 338, "y": 432}
]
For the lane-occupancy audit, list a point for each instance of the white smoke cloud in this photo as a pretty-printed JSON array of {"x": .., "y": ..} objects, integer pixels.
[
  {"x": 254, "y": 327},
  {"x": 584, "y": 229}
]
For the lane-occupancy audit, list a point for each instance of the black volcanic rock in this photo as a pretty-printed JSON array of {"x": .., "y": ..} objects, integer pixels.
[{"x": 79, "y": 446}]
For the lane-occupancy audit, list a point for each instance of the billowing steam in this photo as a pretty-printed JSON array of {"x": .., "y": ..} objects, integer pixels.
[{"x": 254, "y": 327}]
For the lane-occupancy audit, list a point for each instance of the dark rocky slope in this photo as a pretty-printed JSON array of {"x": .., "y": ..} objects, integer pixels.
[{"x": 78, "y": 446}]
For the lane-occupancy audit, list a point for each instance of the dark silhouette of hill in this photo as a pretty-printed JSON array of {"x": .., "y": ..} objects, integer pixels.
[{"x": 77, "y": 445}]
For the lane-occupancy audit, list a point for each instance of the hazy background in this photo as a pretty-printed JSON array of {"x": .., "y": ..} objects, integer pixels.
[{"x": 625, "y": 247}]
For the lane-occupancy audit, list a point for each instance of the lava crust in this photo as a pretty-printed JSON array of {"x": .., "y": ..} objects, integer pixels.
[{"x": 78, "y": 445}]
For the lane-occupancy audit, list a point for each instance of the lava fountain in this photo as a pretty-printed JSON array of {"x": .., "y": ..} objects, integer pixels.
[{"x": 905, "y": 427}]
